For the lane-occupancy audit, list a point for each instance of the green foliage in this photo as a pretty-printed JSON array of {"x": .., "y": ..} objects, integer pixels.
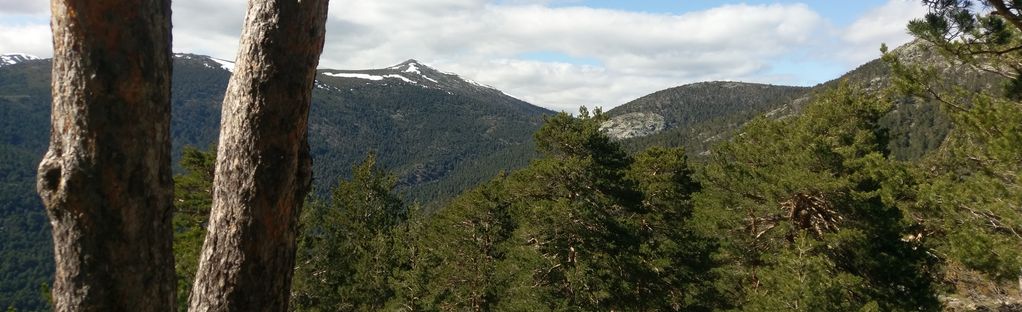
[
  {"x": 47, "y": 294},
  {"x": 348, "y": 248},
  {"x": 675, "y": 258},
  {"x": 25, "y": 242},
  {"x": 584, "y": 228},
  {"x": 972, "y": 194},
  {"x": 193, "y": 199},
  {"x": 970, "y": 201},
  {"x": 453, "y": 264},
  {"x": 801, "y": 209},
  {"x": 988, "y": 38},
  {"x": 701, "y": 115},
  {"x": 975, "y": 188},
  {"x": 802, "y": 279},
  {"x": 812, "y": 197},
  {"x": 439, "y": 143}
]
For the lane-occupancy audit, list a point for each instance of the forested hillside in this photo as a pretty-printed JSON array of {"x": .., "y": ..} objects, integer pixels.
[
  {"x": 25, "y": 234},
  {"x": 895, "y": 187},
  {"x": 810, "y": 212},
  {"x": 806, "y": 213},
  {"x": 441, "y": 138}
]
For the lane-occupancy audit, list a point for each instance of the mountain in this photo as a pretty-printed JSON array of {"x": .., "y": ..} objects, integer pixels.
[
  {"x": 697, "y": 115},
  {"x": 682, "y": 116},
  {"x": 432, "y": 128},
  {"x": 915, "y": 126},
  {"x": 424, "y": 124},
  {"x": 15, "y": 58},
  {"x": 24, "y": 230},
  {"x": 439, "y": 132},
  {"x": 414, "y": 73}
]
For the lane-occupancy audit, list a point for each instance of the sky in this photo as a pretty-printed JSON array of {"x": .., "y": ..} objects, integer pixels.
[{"x": 559, "y": 54}]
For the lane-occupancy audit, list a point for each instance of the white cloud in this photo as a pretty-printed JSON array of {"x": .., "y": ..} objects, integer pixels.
[
  {"x": 31, "y": 39},
  {"x": 208, "y": 27},
  {"x": 628, "y": 54},
  {"x": 884, "y": 24},
  {"x": 637, "y": 53},
  {"x": 24, "y": 6}
]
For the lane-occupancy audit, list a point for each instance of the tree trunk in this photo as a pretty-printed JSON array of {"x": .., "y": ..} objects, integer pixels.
[
  {"x": 106, "y": 178},
  {"x": 263, "y": 169}
]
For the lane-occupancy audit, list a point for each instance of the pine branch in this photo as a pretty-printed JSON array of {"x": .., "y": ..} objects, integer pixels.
[{"x": 1005, "y": 12}]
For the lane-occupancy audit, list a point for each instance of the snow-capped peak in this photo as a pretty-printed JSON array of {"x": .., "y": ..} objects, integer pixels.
[
  {"x": 411, "y": 72},
  {"x": 413, "y": 68},
  {"x": 15, "y": 58}
]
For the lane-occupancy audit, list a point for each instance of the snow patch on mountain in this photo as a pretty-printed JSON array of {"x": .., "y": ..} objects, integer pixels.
[
  {"x": 15, "y": 58},
  {"x": 320, "y": 85},
  {"x": 370, "y": 77},
  {"x": 412, "y": 68},
  {"x": 402, "y": 78},
  {"x": 478, "y": 84},
  {"x": 226, "y": 65},
  {"x": 430, "y": 79},
  {"x": 355, "y": 75},
  {"x": 418, "y": 74}
]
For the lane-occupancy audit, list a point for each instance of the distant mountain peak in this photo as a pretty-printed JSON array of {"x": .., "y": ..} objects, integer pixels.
[
  {"x": 208, "y": 61},
  {"x": 409, "y": 62},
  {"x": 15, "y": 58},
  {"x": 413, "y": 72},
  {"x": 413, "y": 66}
]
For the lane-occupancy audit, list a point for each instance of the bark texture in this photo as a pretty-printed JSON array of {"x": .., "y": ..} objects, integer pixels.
[
  {"x": 263, "y": 169},
  {"x": 106, "y": 178}
]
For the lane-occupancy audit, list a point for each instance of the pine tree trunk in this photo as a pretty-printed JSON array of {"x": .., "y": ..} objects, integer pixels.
[
  {"x": 106, "y": 178},
  {"x": 263, "y": 169}
]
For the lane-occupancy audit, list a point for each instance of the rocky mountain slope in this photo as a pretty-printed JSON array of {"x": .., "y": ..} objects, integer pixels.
[
  {"x": 683, "y": 106},
  {"x": 688, "y": 114},
  {"x": 697, "y": 115}
]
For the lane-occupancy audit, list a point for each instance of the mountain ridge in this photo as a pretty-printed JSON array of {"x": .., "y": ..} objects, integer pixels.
[
  {"x": 437, "y": 142},
  {"x": 438, "y": 132},
  {"x": 916, "y": 126},
  {"x": 15, "y": 58}
]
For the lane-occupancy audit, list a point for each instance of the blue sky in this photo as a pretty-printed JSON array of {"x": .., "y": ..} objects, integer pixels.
[
  {"x": 803, "y": 69},
  {"x": 559, "y": 54}
]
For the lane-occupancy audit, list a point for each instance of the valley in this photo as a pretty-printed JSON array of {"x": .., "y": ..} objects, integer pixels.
[{"x": 440, "y": 134}]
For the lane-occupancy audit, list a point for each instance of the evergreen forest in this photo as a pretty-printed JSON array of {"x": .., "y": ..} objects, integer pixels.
[{"x": 900, "y": 194}]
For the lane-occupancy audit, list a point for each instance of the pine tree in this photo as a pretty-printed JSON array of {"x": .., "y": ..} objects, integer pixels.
[
  {"x": 970, "y": 201},
  {"x": 106, "y": 178},
  {"x": 987, "y": 41},
  {"x": 349, "y": 250},
  {"x": 193, "y": 197},
  {"x": 264, "y": 169},
  {"x": 586, "y": 227},
  {"x": 674, "y": 258},
  {"x": 451, "y": 256},
  {"x": 816, "y": 199},
  {"x": 570, "y": 244}
]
